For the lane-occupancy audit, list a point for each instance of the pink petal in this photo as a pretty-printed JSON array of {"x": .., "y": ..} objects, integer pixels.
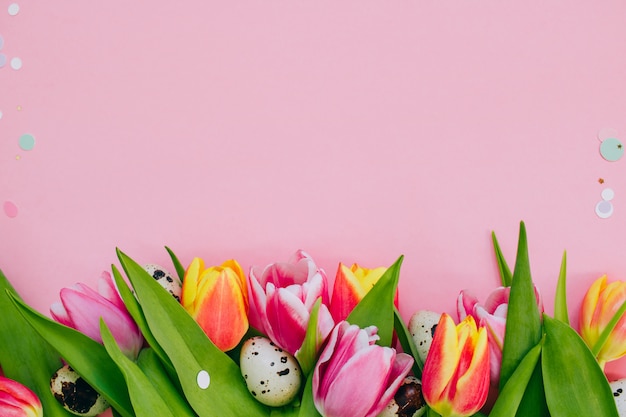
[
  {"x": 400, "y": 369},
  {"x": 107, "y": 289},
  {"x": 347, "y": 394},
  {"x": 58, "y": 313},
  {"x": 497, "y": 297},
  {"x": 257, "y": 300},
  {"x": 288, "y": 318},
  {"x": 465, "y": 304}
]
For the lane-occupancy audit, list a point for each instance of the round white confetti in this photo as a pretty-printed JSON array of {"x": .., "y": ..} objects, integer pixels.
[
  {"x": 607, "y": 194},
  {"x": 14, "y": 9},
  {"x": 607, "y": 133},
  {"x": 604, "y": 209},
  {"x": 16, "y": 63},
  {"x": 203, "y": 379}
]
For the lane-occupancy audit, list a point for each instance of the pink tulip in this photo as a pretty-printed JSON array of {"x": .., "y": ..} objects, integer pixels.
[
  {"x": 282, "y": 296},
  {"x": 81, "y": 308},
  {"x": 492, "y": 315},
  {"x": 354, "y": 377},
  {"x": 18, "y": 401}
]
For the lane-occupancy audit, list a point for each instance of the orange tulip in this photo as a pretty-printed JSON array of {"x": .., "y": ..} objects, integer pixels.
[
  {"x": 600, "y": 304},
  {"x": 351, "y": 285},
  {"x": 217, "y": 299},
  {"x": 455, "y": 379}
]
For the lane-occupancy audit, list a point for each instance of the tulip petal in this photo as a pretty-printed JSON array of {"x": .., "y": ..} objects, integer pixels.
[
  {"x": 221, "y": 312},
  {"x": 190, "y": 283},
  {"x": 441, "y": 361},
  {"x": 465, "y": 304},
  {"x": 107, "y": 289},
  {"x": 346, "y": 293},
  {"x": 287, "y": 318},
  {"x": 400, "y": 369},
  {"x": 347, "y": 394}
]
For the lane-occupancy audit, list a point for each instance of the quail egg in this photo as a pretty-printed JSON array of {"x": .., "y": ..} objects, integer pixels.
[
  {"x": 408, "y": 400},
  {"x": 619, "y": 393},
  {"x": 75, "y": 395},
  {"x": 272, "y": 375},
  {"x": 422, "y": 327},
  {"x": 165, "y": 279}
]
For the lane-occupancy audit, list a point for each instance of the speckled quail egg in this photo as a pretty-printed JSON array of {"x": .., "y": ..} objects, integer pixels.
[
  {"x": 165, "y": 279},
  {"x": 408, "y": 401},
  {"x": 619, "y": 393},
  {"x": 75, "y": 395},
  {"x": 272, "y": 375},
  {"x": 422, "y": 327}
]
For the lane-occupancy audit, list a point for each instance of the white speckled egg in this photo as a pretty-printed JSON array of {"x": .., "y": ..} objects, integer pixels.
[
  {"x": 272, "y": 375},
  {"x": 422, "y": 327},
  {"x": 165, "y": 279},
  {"x": 75, "y": 395},
  {"x": 408, "y": 400},
  {"x": 619, "y": 393}
]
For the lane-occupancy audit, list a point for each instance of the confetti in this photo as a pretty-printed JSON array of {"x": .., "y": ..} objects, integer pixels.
[
  {"x": 16, "y": 63},
  {"x": 611, "y": 149},
  {"x": 203, "y": 379},
  {"x": 10, "y": 209},
  {"x": 27, "y": 142},
  {"x": 14, "y": 9},
  {"x": 604, "y": 209},
  {"x": 3, "y": 60},
  {"x": 608, "y": 194}
]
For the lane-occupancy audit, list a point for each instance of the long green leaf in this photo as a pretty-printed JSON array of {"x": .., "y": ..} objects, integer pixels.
[
  {"x": 523, "y": 329},
  {"x": 88, "y": 357},
  {"x": 533, "y": 402},
  {"x": 407, "y": 343},
  {"x": 377, "y": 307},
  {"x": 560, "y": 299},
  {"x": 307, "y": 406},
  {"x": 24, "y": 355},
  {"x": 134, "y": 309},
  {"x": 146, "y": 400},
  {"x": 606, "y": 333},
  {"x": 307, "y": 354},
  {"x": 180, "y": 269},
  {"x": 503, "y": 267},
  {"x": 511, "y": 395},
  {"x": 152, "y": 366},
  {"x": 574, "y": 382},
  {"x": 191, "y": 352}
]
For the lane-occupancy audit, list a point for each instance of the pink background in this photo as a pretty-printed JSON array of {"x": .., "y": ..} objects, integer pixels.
[{"x": 356, "y": 130}]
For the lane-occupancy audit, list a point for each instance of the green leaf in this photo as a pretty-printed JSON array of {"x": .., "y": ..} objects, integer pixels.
[
  {"x": 511, "y": 395},
  {"x": 606, "y": 333},
  {"x": 180, "y": 269},
  {"x": 534, "y": 400},
  {"x": 134, "y": 309},
  {"x": 503, "y": 267},
  {"x": 560, "y": 299},
  {"x": 145, "y": 399},
  {"x": 523, "y": 328},
  {"x": 307, "y": 354},
  {"x": 152, "y": 366},
  {"x": 191, "y": 351},
  {"x": 88, "y": 357},
  {"x": 25, "y": 356},
  {"x": 377, "y": 307},
  {"x": 574, "y": 382},
  {"x": 407, "y": 343},
  {"x": 307, "y": 406}
]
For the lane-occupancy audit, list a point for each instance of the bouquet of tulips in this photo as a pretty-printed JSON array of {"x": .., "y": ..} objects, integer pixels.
[{"x": 215, "y": 342}]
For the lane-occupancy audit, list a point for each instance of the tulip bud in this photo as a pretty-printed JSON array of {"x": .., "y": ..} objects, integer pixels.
[
  {"x": 18, "y": 401},
  {"x": 455, "y": 379},
  {"x": 81, "y": 308},
  {"x": 354, "y": 376},
  {"x": 217, "y": 299},
  {"x": 351, "y": 285},
  {"x": 600, "y": 304}
]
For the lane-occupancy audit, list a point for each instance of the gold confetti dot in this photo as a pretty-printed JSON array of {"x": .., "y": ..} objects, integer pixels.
[
  {"x": 18, "y": 157},
  {"x": 601, "y": 180},
  {"x": 19, "y": 108}
]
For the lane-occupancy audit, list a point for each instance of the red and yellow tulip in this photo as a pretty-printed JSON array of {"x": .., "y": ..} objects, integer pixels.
[
  {"x": 217, "y": 299},
  {"x": 455, "y": 379},
  {"x": 600, "y": 304},
  {"x": 18, "y": 401},
  {"x": 351, "y": 285}
]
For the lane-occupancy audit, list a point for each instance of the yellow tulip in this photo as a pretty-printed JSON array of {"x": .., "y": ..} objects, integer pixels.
[
  {"x": 217, "y": 299},
  {"x": 351, "y": 285}
]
